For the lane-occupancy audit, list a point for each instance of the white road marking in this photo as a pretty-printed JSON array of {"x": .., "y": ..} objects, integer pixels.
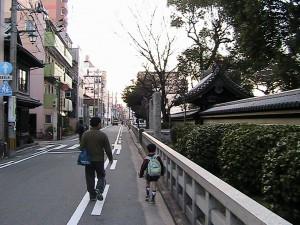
[
  {"x": 6, "y": 164},
  {"x": 99, "y": 204},
  {"x": 113, "y": 165},
  {"x": 80, "y": 209},
  {"x": 21, "y": 160},
  {"x": 75, "y": 139},
  {"x": 45, "y": 147},
  {"x": 74, "y": 146},
  {"x": 59, "y": 147}
]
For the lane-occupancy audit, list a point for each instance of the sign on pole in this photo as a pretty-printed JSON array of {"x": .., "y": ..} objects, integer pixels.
[
  {"x": 5, "y": 68},
  {"x": 5, "y": 89},
  {"x": 12, "y": 109},
  {"x": 5, "y": 77}
]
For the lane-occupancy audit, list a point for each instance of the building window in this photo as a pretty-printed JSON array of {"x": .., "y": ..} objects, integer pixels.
[
  {"x": 23, "y": 81},
  {"x": 48, "y": 119}
]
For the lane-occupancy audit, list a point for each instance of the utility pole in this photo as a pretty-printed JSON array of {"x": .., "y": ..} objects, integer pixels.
[
  {"x": 12, "y": 99},
  {"x": 98, "y": 100},
  {"x": 107, "y": 109},
  {"x": 2, "y": 136}
]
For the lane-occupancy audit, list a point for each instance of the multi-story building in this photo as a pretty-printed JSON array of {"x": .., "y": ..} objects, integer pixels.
[
  {"x": 95, "y": 90},
  {"x": 58, "y": 81},
  {"x": 57, "y": 11}
]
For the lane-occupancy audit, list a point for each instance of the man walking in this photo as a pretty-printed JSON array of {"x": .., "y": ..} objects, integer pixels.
[{"x": 96, "y": 142}]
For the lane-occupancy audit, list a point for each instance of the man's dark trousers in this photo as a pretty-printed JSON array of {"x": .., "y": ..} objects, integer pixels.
[{"x": 90, "y": 170}]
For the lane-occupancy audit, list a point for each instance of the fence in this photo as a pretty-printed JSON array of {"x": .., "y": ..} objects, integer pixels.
[{"x": 204, "y": 198}]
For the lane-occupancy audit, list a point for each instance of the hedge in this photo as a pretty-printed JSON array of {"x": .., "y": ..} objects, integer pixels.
[
  {"x": 242, "y": 154},
  {"x": 259, "y": 160},
  {"x": 281, "y": 177},
  {"x": 202, "y": 144}
]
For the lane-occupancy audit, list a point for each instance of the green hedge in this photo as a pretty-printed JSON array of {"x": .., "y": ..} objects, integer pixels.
[
  {"x": 281, "y": 177},
  {"x": 202, "y": 143},
  {"x": 259, "y": 160},
  {"x": 242, "y": 154}
]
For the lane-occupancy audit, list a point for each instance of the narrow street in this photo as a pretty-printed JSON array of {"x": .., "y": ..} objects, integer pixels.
[{"x": 45, "y": 186}]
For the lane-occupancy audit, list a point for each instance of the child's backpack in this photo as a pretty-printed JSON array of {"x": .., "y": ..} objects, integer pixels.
[{"x": 154, "y": 167}]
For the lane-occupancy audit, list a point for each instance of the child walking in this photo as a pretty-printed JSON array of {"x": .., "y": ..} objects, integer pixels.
[{"x": 153, "y": 168}]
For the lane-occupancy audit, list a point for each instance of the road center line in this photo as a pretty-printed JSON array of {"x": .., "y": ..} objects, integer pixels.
[
  {"x": 113, "y": 165},
  {"x": 80, "y": 209},
  {"x": 99, "y": 204}
]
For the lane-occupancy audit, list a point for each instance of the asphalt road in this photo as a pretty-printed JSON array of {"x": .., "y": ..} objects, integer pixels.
[{"x": 45, "y": 186}]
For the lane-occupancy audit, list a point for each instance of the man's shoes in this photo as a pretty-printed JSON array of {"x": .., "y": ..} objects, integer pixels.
[{"x": 99, "y": 195}]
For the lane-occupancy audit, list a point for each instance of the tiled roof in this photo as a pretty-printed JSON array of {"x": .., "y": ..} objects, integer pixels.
[
  {"x": 207, "y": 82},
  {"x": 188, "y": 113},
  {"x": 282, "y": 101}
]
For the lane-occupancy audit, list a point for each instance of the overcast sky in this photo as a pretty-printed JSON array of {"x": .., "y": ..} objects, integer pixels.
[{"x": 95, "y": 25}]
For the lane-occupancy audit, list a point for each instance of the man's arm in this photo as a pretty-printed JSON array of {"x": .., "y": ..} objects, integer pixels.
[{"x": 107, "y": 149}]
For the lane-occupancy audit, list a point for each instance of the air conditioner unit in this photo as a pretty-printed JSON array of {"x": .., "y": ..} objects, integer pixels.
[{"x": 68, "y": 94}]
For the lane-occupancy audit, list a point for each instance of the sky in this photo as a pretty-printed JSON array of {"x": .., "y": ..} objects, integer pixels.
[{"x": 99, "y": 28}]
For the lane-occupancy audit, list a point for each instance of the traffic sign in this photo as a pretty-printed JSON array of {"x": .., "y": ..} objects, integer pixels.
[
  {"x": 5, "y": 89},
  {"x": 5, "y": 77},
  {"x": 5, "y": 68}
]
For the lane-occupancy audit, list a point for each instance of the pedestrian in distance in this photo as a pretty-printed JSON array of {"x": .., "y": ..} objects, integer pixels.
[
  {"x": 80, "y": 129},
  {"x": 96, "y": 143},
  {"x": 152, "y": 167}
]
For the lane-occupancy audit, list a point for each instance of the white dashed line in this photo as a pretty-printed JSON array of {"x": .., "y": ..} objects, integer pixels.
[
  {"x": 80, "y": 209},
  {"x": 99, "y": 204},
  {"x": 113, "y": 165}
]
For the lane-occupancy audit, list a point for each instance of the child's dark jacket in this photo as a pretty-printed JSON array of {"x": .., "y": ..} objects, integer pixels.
[{"x": 145, "y": 165}]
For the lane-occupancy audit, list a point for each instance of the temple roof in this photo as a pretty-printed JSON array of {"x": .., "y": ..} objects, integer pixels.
[{"x": 213, "y": 79}]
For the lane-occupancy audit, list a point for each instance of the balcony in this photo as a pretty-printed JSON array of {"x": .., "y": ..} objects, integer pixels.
[
  {"x": 66, "y": 80},
  {"x": 53, "y": 70},
  {"x": 67, "y": 105},
  {"x": 52, "y": 40},
  {"x": 49, "y": 100}
]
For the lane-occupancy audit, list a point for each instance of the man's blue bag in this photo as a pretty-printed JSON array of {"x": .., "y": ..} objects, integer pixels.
[{"x": 84, "y": 158}]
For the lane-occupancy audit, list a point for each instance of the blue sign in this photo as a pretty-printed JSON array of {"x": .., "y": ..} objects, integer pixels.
[
  {"x": 5, "y": 68},
  {"x": 5, "y": 89}
]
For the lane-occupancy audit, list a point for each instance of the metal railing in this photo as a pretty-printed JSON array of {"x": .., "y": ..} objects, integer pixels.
[{"x": 204, "y": 198}]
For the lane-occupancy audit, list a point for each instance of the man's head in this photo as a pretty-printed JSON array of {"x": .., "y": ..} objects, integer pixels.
[
  {"x": 95, "y": 122},
  {"x": 151, "y": 148}
]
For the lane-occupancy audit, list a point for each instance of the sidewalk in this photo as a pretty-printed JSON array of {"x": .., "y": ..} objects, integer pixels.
[
  {"x": 157, "y": 214},
  {"x": 177, "y": 215}
]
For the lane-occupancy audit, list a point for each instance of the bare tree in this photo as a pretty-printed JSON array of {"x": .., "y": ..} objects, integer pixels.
[{"x": 156, "y": 49}]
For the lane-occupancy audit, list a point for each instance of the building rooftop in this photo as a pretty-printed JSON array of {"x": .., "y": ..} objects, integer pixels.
[{"x": 283, "y": 101}]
